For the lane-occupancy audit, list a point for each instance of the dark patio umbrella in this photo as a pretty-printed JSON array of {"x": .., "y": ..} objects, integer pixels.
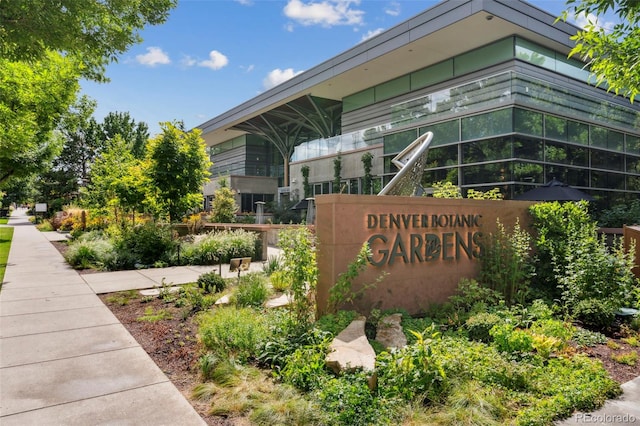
[
  {"x": 300, "y": 205},
  {"x": 554, "y": 191}
]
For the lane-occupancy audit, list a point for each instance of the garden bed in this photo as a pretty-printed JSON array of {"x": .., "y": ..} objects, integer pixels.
[{"x": 173, "y": 346}]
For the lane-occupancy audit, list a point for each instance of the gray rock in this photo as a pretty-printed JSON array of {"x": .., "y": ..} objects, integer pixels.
[
  {"x": 351, "y": 350},
  {"x": 280, "y": 301},
  {"x": 224, "y": 300},
  {"x": 389, "y": 332},
  {"x": 156, "y": 291}
]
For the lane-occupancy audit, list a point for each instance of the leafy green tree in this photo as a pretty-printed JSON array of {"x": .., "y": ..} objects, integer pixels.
[
  {"x": 118, "y": 181},
  {"x": 367, "y": 160},
  {"x": 305, "y": 181},
  {"x": 95, "y": 32},
  {"x": 20, "y": 191},
  {"x": 337, "y": 170},
  {"x": 60, "y": 183},
  {"x": 135, "y": 134},
  {"x": 178, "y": 168},
  {"x": 33, "y": 98},
  {"x": 224, "y": 205},
  {"x": 612, "y": 53}
]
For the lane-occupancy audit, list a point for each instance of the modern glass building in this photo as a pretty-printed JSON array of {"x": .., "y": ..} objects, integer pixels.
[{"x": 490, "y": 78}]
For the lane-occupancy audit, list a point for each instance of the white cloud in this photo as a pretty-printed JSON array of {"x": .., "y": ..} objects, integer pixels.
[
  {"x": 245, "y": 2},
  {"x": 371, "y": 33},
  {"x": 154, "y": 56},
  {"x": 248, "y": 68},
  {"x": 583, "y": 20},
  {"x": 216, "y": 61},
  {"x": 187, "y": 61},
  {"x": 326, "y": 13},
  {"x": 393, "y": 9},
  {"x": 278, "y": 76}
]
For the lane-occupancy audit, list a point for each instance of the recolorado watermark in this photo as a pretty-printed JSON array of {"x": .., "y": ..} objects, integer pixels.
[{"x": 607, "y": 418}]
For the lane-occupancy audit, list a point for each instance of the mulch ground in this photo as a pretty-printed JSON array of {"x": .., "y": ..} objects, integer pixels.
[{"x": 171, "y": 343}]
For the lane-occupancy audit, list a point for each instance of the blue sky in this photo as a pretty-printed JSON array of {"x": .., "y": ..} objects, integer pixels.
[{"x": 212, "y": 55}]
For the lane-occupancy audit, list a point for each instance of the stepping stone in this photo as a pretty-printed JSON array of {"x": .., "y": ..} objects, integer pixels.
[
  {"x": 350, "y": 349},
  {"x": 279, "y": 302},
  {"x": 156, "y": 291},
  {"x": 224, "y": 300},
  {"x": 389, "y": 332}
]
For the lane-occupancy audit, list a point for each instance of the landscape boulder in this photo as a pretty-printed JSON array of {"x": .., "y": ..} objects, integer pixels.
[
  {"x": 389, "y": 332},
  {"x": 350, "y": 350}
]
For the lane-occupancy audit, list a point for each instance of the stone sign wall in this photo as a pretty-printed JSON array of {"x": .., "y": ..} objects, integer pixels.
[{"x": 424, "y": 245}]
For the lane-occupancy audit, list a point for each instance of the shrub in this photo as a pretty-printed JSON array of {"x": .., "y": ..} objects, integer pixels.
[
  {"x": 509, "y": 339},
  {"x": 88, "y": 253},
  {"x": 211, "y": 282},
  {"x": 550, "y": 335},
  {"x": 145, "y": 244},
  {"x": 273, "y": 264},
  {"x": 412, "y": 372},
  {"x": 305, "y": 367},
  {"x": 252, "y": 290},
  {"x": 479, "y": 325},
  {"x": 193, "y": 300},
  {"x": 470, "y": 293},
  {"x": 347, "y": 400},
  {"x": 231, "y": 331},
  {"x": 301, "y": 270},
  {"x": 621, "y": 214},
  {"x": 285, "y": 337},
  {"x": 279, "y": 281},
  {"x": 505, "y": 265},
  {"x": 553, "y": 223},
  {"x": 224, "y": 206},
  {"x": 595, "y": 313},
  {"x": 593, "y": 280},
  {"x": 219, "y": 246}
]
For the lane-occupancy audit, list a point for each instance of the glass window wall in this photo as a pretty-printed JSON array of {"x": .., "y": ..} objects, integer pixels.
[
  {"x": 556, "y": 152},
  {"x": 488, "y": 124},
  {"x": 528, "y": 172},
  {"x": 396, "y": 142},
  {"x": 569, "y": 175},
  {"x": 443, "y": 133},
  {"x": 530, "y": 149},
  {"x": 487, "y": 150},
  {"x": 632, "y": 164},
  {"x": 442, "y": 156},
  {"x": 607, "y": 160},
  {"x": 527, "y": 122},
  {"x": 632, "y": 144},
  {"x": 607, "y": 180},
  {"x": 486, "y": 173}
]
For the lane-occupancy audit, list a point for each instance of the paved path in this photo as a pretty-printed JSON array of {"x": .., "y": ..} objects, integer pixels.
[{"x": 64, "y": 357}]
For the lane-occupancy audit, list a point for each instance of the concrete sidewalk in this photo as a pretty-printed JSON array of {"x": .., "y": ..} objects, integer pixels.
[{"x": 64, "y": 357}]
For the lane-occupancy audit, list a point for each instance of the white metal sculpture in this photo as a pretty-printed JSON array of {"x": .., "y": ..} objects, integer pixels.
[{"x": 410, "y": 162}]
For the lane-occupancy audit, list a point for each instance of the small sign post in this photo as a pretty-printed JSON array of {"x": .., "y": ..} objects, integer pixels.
[{"x": 40, "y": 208}]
